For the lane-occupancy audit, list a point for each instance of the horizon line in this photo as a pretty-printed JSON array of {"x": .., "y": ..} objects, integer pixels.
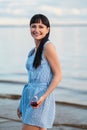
[{"x": 54, "y": 25}]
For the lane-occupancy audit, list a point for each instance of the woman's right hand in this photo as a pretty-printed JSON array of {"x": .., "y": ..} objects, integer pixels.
[{"x": 19, "y": 113}]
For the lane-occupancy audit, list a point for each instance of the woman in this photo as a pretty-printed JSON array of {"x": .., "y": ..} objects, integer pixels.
[{"x": 44, "y": 75}]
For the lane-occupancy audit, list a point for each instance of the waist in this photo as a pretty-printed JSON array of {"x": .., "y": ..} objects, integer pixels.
[
  {"x": 38, "y": 83},
  {"x": 33, "y": 85}
]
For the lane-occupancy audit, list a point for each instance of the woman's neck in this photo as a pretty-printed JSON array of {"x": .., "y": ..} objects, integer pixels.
[{"x": 37, "y": 43}]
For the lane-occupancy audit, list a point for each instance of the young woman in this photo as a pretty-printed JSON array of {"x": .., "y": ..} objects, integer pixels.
[{"x": 37, "y": 105}]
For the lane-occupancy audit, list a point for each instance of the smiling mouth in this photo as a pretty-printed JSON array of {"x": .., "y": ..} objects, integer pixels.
[{"x": 37, "y": 35}]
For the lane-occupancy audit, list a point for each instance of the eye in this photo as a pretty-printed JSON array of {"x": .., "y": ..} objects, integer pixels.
[
  {"x": 40, "y": 26},
  {"x": 33, "y": 26}
]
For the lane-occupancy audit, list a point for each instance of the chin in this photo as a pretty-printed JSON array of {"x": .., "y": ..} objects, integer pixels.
[{"x": 38, "y": 39}]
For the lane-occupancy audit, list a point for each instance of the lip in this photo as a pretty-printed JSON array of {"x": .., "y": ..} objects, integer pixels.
[{"x": 35, "y": 34}]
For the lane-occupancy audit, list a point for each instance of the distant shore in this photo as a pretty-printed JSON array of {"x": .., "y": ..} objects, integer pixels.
[{"x": 59, "y": 24}]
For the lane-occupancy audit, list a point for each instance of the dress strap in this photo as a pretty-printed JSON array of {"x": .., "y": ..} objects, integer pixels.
[{"x": 47, "y": 43}]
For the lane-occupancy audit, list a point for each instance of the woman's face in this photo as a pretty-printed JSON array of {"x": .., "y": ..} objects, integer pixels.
[{"x": 38, "y": 31}]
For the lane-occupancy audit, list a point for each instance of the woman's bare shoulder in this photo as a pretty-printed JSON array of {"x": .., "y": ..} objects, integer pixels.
[{"x": 49, "y": 48}]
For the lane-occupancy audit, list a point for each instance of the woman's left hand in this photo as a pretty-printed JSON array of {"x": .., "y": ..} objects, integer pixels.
[{"x": 40, "y": 102}]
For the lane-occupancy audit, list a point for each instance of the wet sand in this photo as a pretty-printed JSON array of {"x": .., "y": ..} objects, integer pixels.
[{"x": 68, "y": 116}]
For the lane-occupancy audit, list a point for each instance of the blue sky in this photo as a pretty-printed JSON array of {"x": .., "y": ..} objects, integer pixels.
[{"x": 19, "y": 11}]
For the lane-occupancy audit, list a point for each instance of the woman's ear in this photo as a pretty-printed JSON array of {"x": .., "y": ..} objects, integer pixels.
[{"x": 48, "y": 30}]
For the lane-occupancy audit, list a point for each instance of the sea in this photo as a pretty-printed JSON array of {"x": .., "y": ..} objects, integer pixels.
[{"x": 71, "y": 46}]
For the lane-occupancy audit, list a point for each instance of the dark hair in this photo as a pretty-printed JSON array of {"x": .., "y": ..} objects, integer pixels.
[{"x": 36, "y": 19}]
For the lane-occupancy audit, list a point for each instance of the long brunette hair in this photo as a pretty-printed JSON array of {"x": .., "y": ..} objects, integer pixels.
[{"x": 36, "y": 19}]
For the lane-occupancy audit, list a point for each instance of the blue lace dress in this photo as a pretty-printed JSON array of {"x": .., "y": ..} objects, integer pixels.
[{"x": 39, "y": 80}]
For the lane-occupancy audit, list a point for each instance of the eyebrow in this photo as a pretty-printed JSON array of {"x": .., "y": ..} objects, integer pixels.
[{"x": 37, "y": 23}]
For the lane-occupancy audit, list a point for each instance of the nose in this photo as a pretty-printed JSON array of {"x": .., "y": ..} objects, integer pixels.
[{"x": 36, "y": 29}]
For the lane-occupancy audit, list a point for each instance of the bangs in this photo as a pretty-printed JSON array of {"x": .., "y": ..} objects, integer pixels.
[
  {"x": 40, "y": 18},
  {"x": 35, "y": 20}
]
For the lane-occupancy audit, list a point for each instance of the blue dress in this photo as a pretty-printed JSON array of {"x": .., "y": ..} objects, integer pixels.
[{"x": 39, "y": 80}]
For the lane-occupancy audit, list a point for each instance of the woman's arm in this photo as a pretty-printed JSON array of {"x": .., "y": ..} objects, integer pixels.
[{"x": 51, "y": 56}]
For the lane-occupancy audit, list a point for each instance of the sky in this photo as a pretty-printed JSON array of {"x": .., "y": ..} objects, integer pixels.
[{"x": 20, "y": 11}]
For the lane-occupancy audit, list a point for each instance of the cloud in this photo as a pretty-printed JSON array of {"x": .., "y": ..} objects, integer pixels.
[
  {"x": 14, "y": 21},
  {"x": 25, "y": 7},
  {"x": 53, "y": 9},
  {"x": 64, "y": 11},
  {"x": 75, "y": 11}
]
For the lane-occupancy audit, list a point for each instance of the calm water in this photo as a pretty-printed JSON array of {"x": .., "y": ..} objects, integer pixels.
[{"x": 71, "y": 46}]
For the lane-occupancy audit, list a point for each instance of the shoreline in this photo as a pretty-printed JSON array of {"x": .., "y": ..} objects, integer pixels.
[{"x": 67, "y": 116}]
